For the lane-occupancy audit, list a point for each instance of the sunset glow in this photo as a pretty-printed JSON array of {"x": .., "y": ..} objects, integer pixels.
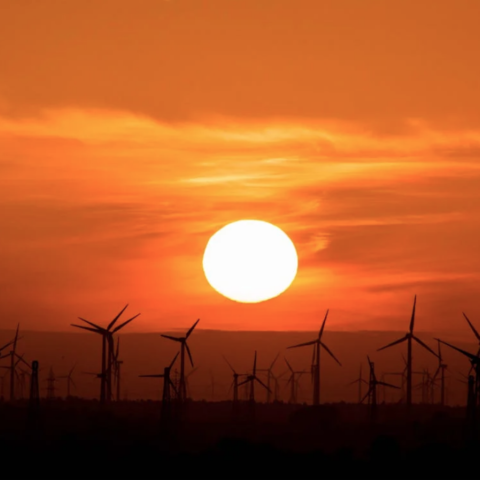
[{"x": 121, "y": 155}]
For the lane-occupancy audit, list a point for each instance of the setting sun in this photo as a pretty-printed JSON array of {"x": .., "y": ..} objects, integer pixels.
[{"x": 250, "y": 261}]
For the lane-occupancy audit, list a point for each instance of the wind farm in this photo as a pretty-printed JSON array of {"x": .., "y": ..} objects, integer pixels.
[
  {"x": 174, "y": 419},
  {"x": 239, "y": 239}
]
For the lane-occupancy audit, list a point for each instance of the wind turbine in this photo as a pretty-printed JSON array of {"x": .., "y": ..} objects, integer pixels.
[
  {"x": 252, "y": 378},
  {"x": 182, "y": 390},
  {"x": 372, "y": 390},
  {"x": 270, "y": 376},
  {"x": 107, "y": 351},
  {"x": 408, "y": 338},
  {"x": 477, "y": 335},
  {"x": 360, "y": 380},
  {"x": 441, "y": 369},
  {"x": 277, "y": 386},
  {"x": 234, "y": 384},
  {"x": 316, "y": 365},
  {"x": 293, "y": 381},
  {"x": 12, "y": 354},
  {"x": 475, "y": 361},
  {"x": 167, "y": 382},
  {"x": 187, "y": 386},
  {"x": 117, "y": 369},
  {"x": 69, "y": 380}
]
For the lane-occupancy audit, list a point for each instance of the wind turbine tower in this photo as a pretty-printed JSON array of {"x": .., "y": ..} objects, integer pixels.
[
  {"x": 107, "y": 351},
  {"x": 182, "y": 390},
  {"x": 409, "y": 336},
  {"x": 317, "y": 343}
]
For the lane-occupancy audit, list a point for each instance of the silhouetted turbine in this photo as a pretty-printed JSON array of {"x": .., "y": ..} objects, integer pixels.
[
  {"x": 117, "y": 369},
  {"x": 372, "y": 390},
  {"x": 252, "y": 378},
  {"x": 182, "y": 390},
  {"x": 316, "y": 365},
  {"x": 12, "y": 354},
  {"x": 107, "y": 355},
  {"x": 234, "y": 383},
  {"x": 477, "y": 335},
  {"x": 167, "y": 382},
  {"x": 441, "y": 369},
  {"x": 293, "y": 381},
  {"x": 408, "y": 338},
  {"x": 475, "y": 361},
  {"x": 187, "y": 385},
  {"x": 69, "y": 379},
  {"x": 360, "y": 380},
  {"x": 269, "y": 376}
]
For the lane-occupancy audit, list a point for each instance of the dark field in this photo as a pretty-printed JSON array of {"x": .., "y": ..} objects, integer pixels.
[{"x": 76, "y": 440}]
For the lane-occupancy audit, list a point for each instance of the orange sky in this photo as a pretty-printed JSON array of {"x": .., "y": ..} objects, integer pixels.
[{"x": 131, "y": 131}]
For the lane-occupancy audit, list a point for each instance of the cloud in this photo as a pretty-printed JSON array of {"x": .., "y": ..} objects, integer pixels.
[
  {"x": 187, "y": 61},
  {"x": 102, "y": 205}
]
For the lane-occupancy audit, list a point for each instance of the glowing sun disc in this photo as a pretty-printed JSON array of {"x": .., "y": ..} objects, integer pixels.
[{"x": 250, "y": 261}]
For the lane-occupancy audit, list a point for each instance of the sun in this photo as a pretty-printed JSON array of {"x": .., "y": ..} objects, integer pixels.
[{"x": 250, "y": 261}]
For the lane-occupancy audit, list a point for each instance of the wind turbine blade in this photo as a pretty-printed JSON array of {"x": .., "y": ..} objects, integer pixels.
[
  {"x": 112, "y": 323},
  {"x": 191, "y": 372},
  {"x": 473, "y": 358},
  {"x": 262, "y": 384},
  {"x": 424, "y": 345},
  {"x": 354, "y": 381},
  {"x": 412, "y": 321},
  {"x": 117, "y": 350},
  {"x": 20, "y": 359},
  {"x": 330, "y": 353},
  {"x": 400, "y": 340},
  {"x": 174, "y": 387},
  {"x": 366, "y": 395},
  {"x": 273, "y": 363},
  {"x": 436, "y": 373},
  {"x": 472, "y": 327},
  {"x": 87, "y": 328},
  {"x": 6, "y": 345},
  {"x": 320, "y": 333},
  {"x": 73, "y": 368},
  {"x": 16, "y": 338},
  {"x": 439, "y": 353},
  {"x": 233, "y": 370},
  {"x": 118, "y": 327},
  {"x": 388, "y": 385},
  {"x": 255, "y": 363},
  {"x": 304, "y": 344},
  {"x": 289, "y": 366},
  {"x": 92, "y": 324},
  {"x": 170, "y": 338},
  {"x": 73, "y": 383},
  {"x": 191, "y": 329},
  {"x": 189, "y": 354},
  {"x": 173, "y": 361},
  {"x": 245, "y": 381}
]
